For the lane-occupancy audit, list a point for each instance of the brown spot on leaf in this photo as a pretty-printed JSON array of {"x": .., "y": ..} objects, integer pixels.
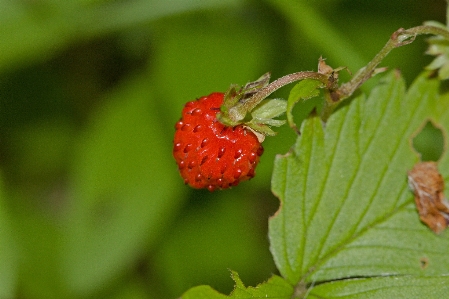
[
  {"x": 428, "y": 186},
  {"x": 424, "y": 262}
]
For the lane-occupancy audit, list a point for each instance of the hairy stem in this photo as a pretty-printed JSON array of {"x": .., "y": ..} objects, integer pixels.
[
  {"x": 329, "y": 77},
  {"x": 399, "y": 38},
  {"x": 275, "y": 85}
]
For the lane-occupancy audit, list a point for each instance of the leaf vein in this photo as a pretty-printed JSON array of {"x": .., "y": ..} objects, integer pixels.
[{"x": 324, "y": 184}]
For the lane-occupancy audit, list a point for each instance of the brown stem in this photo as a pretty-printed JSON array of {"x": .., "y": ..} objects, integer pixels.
[
  {"x": 238, "y": 112},
  {"x": 335, "y": 95},
  {"x": 275, "y": 85},
  {"x": 399, "y": 38}
]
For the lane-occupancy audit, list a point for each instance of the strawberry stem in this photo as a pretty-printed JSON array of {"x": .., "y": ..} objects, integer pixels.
[
  {"x": 238, "y": 104},
  {"x": 275, "y": 85},
  {"x": 239, "y": 111},
  {"x": 399, "y": 38}
]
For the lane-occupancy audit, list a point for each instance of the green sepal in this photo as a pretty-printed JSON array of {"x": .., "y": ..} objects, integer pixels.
[
  {"x": 261, "y": 128},
  {"x": 270, "y": 121},
  {"x": 269, "y": 109},
  {"x": 230, "y": 98},
  {"x": 253, "y": 87},
  {"x": 263, "y": 114},
  {"x": 233, "y": 111},
  {"x": 236, "y": 94}
]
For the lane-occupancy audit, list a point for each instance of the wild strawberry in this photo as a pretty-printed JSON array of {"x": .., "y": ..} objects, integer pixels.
[
  {"x": 218, "y": 139},
  {"x": 210, "y": 154}
]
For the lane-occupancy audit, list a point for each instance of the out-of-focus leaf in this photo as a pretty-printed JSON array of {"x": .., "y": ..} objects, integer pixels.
[
  {"x": 404, "y": 287},
  {"x": 205, "y": 53},
  {"x": 346, "y": 209},
  {"x": 8, "y": 252},
  {"x": 124, "y": 188},
  {"x": 41, "y": 148},
  {"x": 39, "y": 247},
  {"x": 210, "y": 239},
  {"x": 132, "y": 290},
  {"x": 305, "y": 19},
  {"x": 37, "y": 29},
  {"x": 429, "y": 143},
  {"x": 275, "y": 287}
]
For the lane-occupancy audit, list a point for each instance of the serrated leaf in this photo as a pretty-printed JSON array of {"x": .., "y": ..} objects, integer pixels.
[
  {"x": 303, "y": 90},
  {"x": 203, "y": 292},
  {"x": 383, "y": 288},
  {"x": 197, "y": 238},
  {"x": 275, "y": 287},
  {"x": 346, "y": 209}
]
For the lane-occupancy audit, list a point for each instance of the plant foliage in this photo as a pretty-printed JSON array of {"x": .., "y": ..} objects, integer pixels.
[{"x": 346, "y": 210}]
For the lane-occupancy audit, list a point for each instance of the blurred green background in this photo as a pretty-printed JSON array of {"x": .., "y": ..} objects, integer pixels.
[{"x": 91, "y": 204}]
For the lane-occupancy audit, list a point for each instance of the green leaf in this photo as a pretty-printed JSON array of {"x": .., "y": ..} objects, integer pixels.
[
  {"x": 203, "y": 292},
  {"x": 383, "y": 288},
  {"x": 8, "y": 252},
  {"x": 346, "y": 209},
  {"x": 124, "y": 188},
  {"x": 275, "y": 287},
  {"x": 40, "y": 239},
  {"x": 209, "y": 44},
  {"x": 203, "y": 243},
  {"x": 303, "y": 90},
  {"x": 343, "y": 50},
  {"x": 35, "y": 31}
]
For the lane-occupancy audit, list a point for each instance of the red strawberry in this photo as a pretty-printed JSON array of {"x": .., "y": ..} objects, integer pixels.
[
  {"x": 210, "y": 154},
  {"x": 217, "y": 140}
]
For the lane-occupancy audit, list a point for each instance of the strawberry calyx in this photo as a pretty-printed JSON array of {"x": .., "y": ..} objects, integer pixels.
[
  {"x": 217, "y": 148},
  {"x": 233, "y": 110},
  {"x": 239, "y": 108},
  {"x": 249, "y": 106}
]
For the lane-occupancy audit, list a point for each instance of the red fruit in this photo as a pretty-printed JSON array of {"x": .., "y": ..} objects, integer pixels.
[{"x": 209, "y": 154}]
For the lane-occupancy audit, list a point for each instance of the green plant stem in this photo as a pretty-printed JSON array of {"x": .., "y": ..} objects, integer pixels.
[
  {"x": 399, "y": 38},
  {"x": 333, "y": 95},
  {"x": 272, "y": 87}
]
